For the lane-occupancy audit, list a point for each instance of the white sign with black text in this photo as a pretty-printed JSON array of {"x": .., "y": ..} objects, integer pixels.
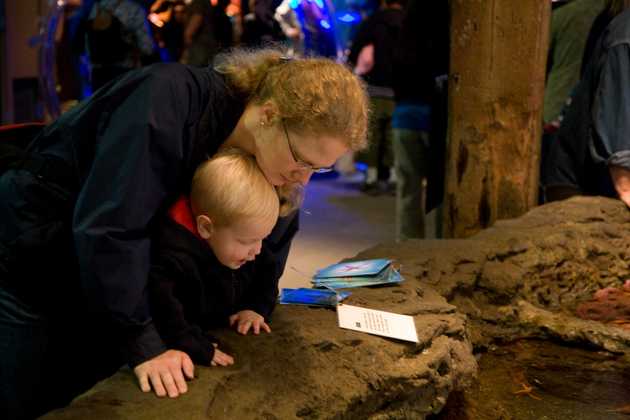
[{"x": 371, "y": 321}]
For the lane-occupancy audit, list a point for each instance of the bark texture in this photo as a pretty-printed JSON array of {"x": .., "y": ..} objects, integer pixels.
[{"x": 496, "y": 90}]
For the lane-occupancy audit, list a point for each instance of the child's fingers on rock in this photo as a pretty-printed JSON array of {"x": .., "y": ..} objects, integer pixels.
[
  {"x": 266, "y": 327},
  {"x": 220, "y": 359},
  {"x": 188, "y": 367},
  {"x": 244, "y": 327}
]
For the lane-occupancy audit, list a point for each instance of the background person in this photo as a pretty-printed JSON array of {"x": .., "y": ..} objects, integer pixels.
[
  {"x": 372, "y": 56},
  {"x": 591, "y": 154},
  {"x": 208, "y": 30},
  {"x": 420, "y": 56},
  {"x": 168, "y": 18},
  {"x": 571, "y": 23},
  {"x": 570, "y": 26},
  {"x": 288, "y": 20},
  {"x": 118, "y": 38}
]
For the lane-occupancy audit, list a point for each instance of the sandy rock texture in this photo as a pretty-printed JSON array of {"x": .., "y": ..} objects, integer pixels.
[
  {"x": 525, "y": 277},
  {"x": 308, "y": 368},
  {"x": 521, "y": 278}
]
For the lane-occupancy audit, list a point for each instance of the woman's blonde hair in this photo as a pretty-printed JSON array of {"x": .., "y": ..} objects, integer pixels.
[
  {"x": 230, "y": 187},
  {"x": 314, "y": 96}
]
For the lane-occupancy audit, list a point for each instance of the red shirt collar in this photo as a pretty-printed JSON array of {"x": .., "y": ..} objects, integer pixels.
[{"x": 181, "y": 213}]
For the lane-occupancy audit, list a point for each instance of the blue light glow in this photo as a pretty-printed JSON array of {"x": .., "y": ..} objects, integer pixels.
[
  {"x": 347, "y": 18},
  {"x": 324, "y": 24},
  {"x": 360, "y": 166},
  {"x": 293, "y": 4},
  {"x": 320, "y": 3}
]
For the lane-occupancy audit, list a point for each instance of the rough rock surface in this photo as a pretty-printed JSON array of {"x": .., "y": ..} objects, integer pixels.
[
  {"x": 525, "y": 277},
  {"x": 522, "y": 278},
  {"x": 309, "y": 368}
]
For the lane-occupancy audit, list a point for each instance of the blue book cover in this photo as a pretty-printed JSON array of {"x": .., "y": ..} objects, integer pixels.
[
  {"x": 388, "y": 276},
  {"x": 383, "y": 275},
  {"x": 353, "y": 268},
  {"x": 311, "y": 297}
]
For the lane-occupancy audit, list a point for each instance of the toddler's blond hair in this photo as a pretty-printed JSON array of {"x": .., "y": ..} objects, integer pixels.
[{"x": 230, "y": 187}]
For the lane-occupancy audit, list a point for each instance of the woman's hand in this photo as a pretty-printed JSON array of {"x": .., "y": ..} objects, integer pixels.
[
  {"x": 164, "y": 373},
  {"x": 244, "y": 320}
]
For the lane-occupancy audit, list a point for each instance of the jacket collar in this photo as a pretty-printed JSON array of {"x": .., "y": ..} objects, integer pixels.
[{"x": 181, "y": 213}]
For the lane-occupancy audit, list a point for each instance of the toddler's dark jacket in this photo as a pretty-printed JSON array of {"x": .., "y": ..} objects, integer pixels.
[{"x": 190, "y": 291}]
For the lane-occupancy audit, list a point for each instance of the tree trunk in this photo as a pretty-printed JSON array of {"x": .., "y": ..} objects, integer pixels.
[{"x": 496, "y": 89}]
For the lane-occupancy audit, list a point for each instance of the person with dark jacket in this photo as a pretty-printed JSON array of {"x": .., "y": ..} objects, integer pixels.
[
  {"x": 208, "y": 31},
  {"x": 78, "y": 211},
  {"x": 118, "y": 38},
  {"x": 204, "y": 271},
  {"x": 612, "y": 9},
  {"x": 259, "y": 25},
  {"x": 569, "y": 31},
  {"x": 371, "y": 55},
  {"x": 591, "y": 154},
  {"x": 419, "y": 59}
]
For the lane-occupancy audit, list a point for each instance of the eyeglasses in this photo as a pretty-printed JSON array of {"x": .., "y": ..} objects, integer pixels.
[{"x": 303, "y": 165}]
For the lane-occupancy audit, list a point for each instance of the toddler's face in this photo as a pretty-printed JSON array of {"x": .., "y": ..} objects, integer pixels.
[{"x": 235, "y": 244}]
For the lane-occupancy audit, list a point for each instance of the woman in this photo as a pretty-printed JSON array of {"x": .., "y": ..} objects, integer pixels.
[{"x": 100, "y": 175}]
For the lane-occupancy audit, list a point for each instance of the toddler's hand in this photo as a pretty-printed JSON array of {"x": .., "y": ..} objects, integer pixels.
[
  {"x": 244, "y": 320},
  {"x": 165, "y": 373},
  {"x": 220, "y": 358}
]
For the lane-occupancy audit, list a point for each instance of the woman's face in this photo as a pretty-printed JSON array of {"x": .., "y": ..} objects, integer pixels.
[{"x": 286, "y": 157}]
